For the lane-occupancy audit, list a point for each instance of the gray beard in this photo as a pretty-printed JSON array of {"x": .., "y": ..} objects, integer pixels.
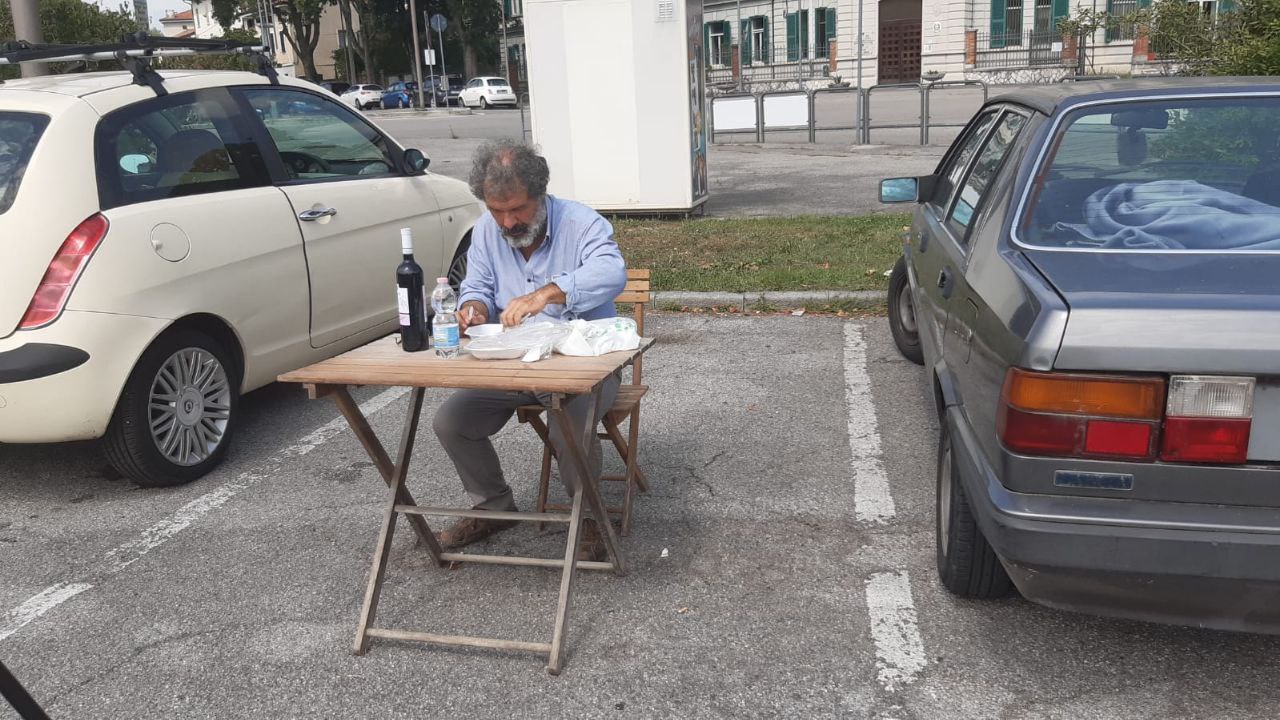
[{"x": 537, "y": 228}]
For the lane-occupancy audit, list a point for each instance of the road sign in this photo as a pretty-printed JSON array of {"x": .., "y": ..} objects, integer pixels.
[
  {"x": 429, "y": 56},
  {"x": 439, "y": 22}
]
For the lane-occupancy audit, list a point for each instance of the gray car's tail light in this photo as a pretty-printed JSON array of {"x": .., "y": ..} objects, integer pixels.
[{"x": 1208, "y": 419}]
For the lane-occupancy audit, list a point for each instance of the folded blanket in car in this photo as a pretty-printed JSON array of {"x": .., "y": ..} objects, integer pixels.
[{"x": 1174, "y": 214}]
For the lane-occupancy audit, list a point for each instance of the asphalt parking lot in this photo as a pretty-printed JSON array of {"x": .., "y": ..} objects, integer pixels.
[{"x": 792, "y": 469}]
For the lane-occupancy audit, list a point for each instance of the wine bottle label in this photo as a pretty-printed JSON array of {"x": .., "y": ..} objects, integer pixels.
[{"x": 402, "y": 303}]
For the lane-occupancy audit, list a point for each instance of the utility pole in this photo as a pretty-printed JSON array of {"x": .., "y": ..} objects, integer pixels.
[
  {"x": 741, "y": 70},
  {"x": 417, "y": 51},
  {"x": 26, "y": 26},
  {"x": 859, "y": 44},
  {"x": 349, "y": 50},
  {"x": 502, "y": 54}
]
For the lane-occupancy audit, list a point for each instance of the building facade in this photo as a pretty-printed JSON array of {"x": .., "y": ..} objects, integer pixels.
[{"x": 765, "y": 44}]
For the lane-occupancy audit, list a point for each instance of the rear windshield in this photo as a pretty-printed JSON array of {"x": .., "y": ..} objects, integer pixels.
[
  {"x": 498, "y": 83},
  {"x": 1169, "y": 175},
  {"x": 19, "y": 133}
]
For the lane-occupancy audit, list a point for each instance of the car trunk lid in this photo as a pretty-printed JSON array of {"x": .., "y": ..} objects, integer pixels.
[{"x": 1175, "y": 313}]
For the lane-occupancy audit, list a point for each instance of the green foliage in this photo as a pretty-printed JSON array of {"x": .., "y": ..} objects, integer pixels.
[
  {"x": 1255, "y": 44},
  {"x": 1239, "y": 136}
]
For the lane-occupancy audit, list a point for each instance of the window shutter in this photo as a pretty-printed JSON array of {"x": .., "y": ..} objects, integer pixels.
[
  {"x": 1144, "y": 4},
  {"x": 1226, "y": 6},
  {"x": 706, "y": 42},
  {"x": 804, "y": 33},
  {"x": 831, "y": 26},
  {"x": 764, "y": 40},
  {"x": 506, "y": 8},
  {"x": 744, "y": 41},
  {"x": 793, "y": 37},
  {"x": 1061, "y": 9},
  {"x": 997, "y": 23}
]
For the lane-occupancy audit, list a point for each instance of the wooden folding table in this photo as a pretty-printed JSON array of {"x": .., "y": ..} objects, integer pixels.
[{"x": 384, "y": 363}]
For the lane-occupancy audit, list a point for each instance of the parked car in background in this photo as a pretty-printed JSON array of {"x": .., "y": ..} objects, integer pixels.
[
  {"x": 337, "y": 87},
  {"x": 400, "y": 95},
  {"x": 1090, "y": 283},
  {"x": 362, "y": 97},
  {"x": 484, "y": 92},
  {"x": 233, "y": 229}
]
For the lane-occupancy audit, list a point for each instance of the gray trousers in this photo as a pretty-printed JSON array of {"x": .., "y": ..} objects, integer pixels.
[{"x": 469, "y": 418}]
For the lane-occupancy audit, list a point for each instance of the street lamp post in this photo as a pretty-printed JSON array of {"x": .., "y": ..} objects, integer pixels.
[{"x": 417, "y": 51}]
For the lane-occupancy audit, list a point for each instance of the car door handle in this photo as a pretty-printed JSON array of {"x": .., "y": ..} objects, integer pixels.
[
  {"x": 316, "y": 214},
  {"x": 944, "y": 278}
]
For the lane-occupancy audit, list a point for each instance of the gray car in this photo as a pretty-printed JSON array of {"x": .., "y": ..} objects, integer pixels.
[{"x": 1092, "y": 283}]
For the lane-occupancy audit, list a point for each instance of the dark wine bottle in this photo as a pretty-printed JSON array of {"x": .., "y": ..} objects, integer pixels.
[{"x": 411, "y": 297}]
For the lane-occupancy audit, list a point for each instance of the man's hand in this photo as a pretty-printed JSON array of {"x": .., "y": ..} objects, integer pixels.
[
  {"x": 531, "y": 304},
  {"x": 472, "y": 312}
]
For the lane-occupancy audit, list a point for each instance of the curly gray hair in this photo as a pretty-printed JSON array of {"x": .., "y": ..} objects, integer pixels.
[{"x": 502, "y": 167}]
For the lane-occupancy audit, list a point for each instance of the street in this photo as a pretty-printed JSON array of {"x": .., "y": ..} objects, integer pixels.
[
  {"x": 747, "y": 180},
  {"x": 781, "y": 566}
]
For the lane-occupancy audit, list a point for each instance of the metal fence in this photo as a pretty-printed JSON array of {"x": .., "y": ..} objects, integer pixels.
[
  {"x": 1020, "y": 49},
  {"x": 759, "y": 114}
]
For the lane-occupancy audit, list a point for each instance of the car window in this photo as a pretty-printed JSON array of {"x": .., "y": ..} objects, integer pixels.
[
  {"x": 317, "y": 138},
  {"x": 19, "y": 133},
  {"x": 984, "y": 171},
  {"x": 173, "y": 146},
  {"x": 498, "y": 83},
  {"x": 949, "y": 176},
  {"x": 1177, "y": 174}
]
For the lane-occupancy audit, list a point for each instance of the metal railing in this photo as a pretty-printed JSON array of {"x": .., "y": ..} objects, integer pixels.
[
  {"x": 813, "y": 110},
  {"x": 522, "y": 101},
  {"x": 1020, "y": 49}
]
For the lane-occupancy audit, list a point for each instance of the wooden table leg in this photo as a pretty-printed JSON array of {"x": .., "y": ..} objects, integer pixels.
[
  {"x": 555, "y": 659},
  {"x": 383, "y": 550},
  {"x": 578, "y": 456},
  {"x": 364, "y": 433}
]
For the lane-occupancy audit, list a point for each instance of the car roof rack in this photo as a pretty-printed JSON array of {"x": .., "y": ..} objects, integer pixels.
[{"x": 134, "y": 53}]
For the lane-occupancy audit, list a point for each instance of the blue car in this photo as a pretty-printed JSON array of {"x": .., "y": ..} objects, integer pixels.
[{"x": 400, "y": 95}]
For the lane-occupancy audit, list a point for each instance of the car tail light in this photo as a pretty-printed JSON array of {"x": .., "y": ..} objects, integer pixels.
[
  {"x": 1080, "y": 415},
  {"x": 1208, "y": 419},
  {"x": 65, "y": 268}
]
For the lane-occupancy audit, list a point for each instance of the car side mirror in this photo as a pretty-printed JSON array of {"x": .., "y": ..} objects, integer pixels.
[
  {"x": 900, "y": 190},
  {"x": 415, "y": 163}
]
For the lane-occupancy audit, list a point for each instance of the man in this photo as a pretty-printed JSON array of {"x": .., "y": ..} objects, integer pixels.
[{"x": 532, "y": 256}]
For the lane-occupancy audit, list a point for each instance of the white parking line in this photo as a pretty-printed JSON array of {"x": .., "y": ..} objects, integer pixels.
[
  {"x": 899, "y": 649},
  {"x": 48, "y": 599},
  {"x": 872, "y": 501},
  {"x": 130, "y": 552}
]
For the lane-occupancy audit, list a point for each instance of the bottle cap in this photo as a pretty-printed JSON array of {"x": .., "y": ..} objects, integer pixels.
[
  {"x": 444, "y": 280},
  {"x": 406, "y": 240}
]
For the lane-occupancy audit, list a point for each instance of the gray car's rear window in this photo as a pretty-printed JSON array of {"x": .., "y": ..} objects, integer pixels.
[
  {"x": 19, "y": 133},
  {"x": 1199, "y": 174}
]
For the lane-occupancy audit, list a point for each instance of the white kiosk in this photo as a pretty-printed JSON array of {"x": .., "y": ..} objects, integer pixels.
[{"x": 617, "y": 99}]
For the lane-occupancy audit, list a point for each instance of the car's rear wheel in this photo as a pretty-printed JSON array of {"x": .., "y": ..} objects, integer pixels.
[
  {"x": 967, "y": 565},
  {"x": 902, "y": 314},
  {"x": 177, "y": 413}
]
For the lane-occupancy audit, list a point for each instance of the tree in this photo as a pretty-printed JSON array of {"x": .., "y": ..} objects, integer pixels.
[
  {"x": 300, "y": 21},
  {"x": 358, "y": 41},
  {"x": 70, "y": 21},
  {"x": 477, "y": 23},
  {"x": 216, "y": 61}
]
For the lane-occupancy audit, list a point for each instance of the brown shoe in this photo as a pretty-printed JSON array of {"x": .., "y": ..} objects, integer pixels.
[
  {"x": 470, "y": 530},
  {"x": 591, "y": 545}
]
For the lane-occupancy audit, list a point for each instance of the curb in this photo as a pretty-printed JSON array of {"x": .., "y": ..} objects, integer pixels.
[{"x": 775, "y": 298}]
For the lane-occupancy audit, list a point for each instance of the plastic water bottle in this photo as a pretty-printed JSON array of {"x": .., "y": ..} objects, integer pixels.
[{"x": 445, "y": 332}]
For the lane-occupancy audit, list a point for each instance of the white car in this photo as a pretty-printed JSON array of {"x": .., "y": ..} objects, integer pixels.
[
  {"x": 362, "y": 97},
  {"x": 231, "y": 230},
  {"x": 482, "y": 92}
]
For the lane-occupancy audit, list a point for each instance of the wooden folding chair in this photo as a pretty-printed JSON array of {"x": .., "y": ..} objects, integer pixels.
[{"x": 626, "y": 408}]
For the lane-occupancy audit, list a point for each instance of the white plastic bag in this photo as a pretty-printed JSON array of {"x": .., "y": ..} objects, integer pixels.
[{"x": 599, "y": 337}]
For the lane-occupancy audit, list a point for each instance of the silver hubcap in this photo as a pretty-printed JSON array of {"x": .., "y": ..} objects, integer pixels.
[
  {"x": 190, "y": 406},
  {"x": 458, "y": 272},
  {"x": 906, "y": 310},
  {"x": 944, "y": 500}
]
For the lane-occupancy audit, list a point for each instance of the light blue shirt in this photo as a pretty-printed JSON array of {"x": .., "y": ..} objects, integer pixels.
[{"x": 579, "y": 255}]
